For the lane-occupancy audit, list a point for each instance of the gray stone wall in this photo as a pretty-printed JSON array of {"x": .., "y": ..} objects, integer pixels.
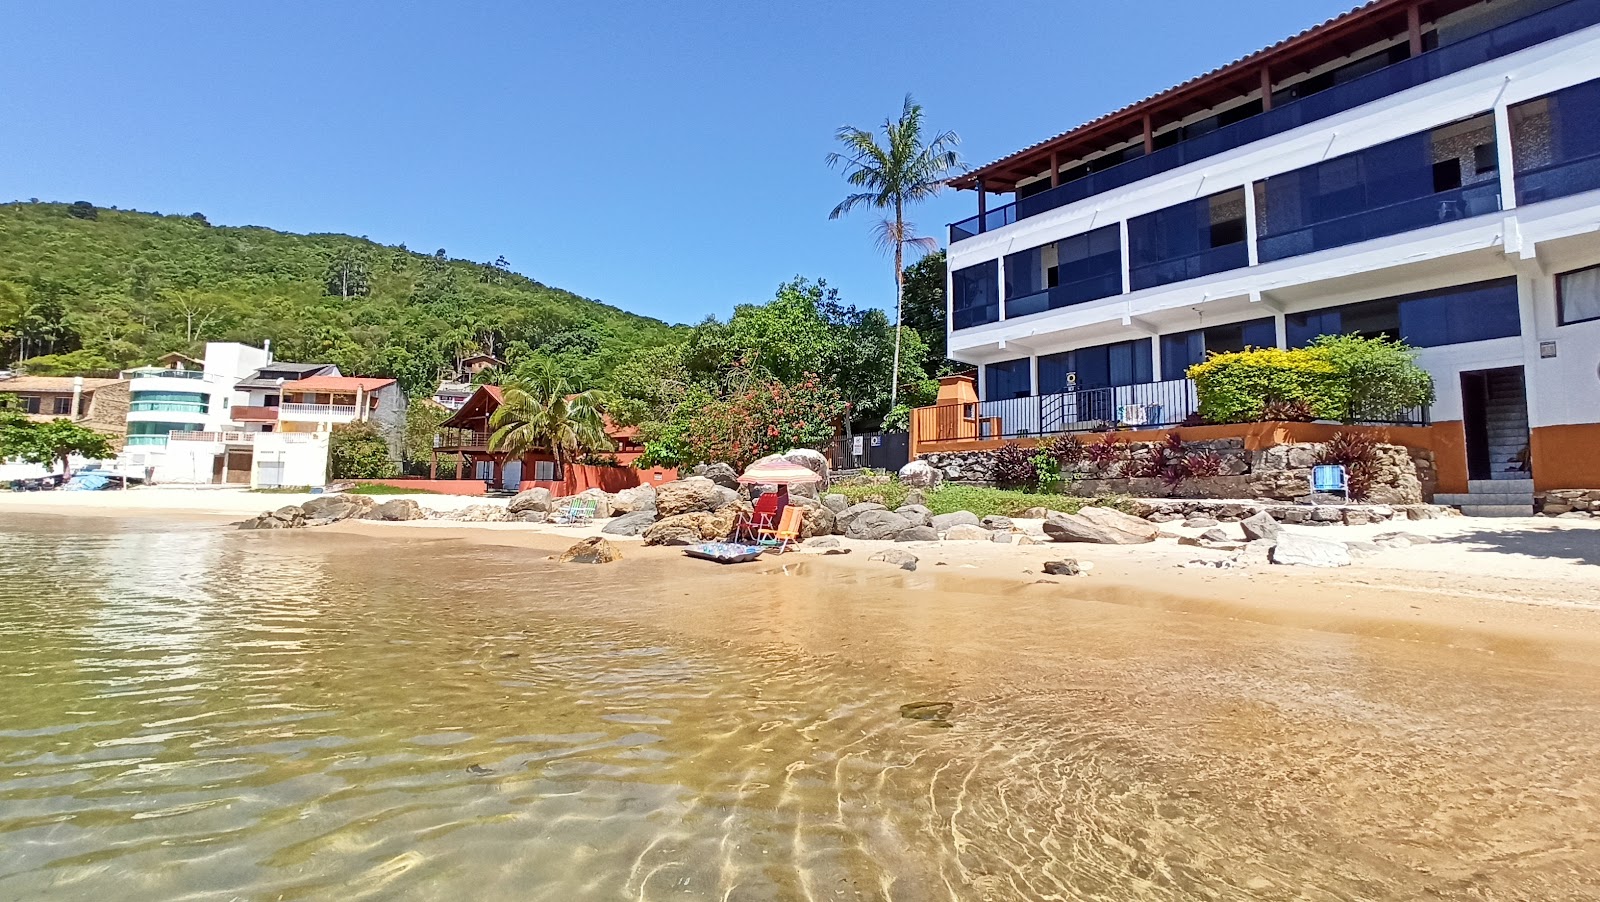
[{"x": 1280, "y": 473}]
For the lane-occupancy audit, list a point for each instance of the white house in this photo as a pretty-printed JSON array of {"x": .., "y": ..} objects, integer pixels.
[
  {"x": 1426, "y": 170},
  {"x": 185, "y": 400}
]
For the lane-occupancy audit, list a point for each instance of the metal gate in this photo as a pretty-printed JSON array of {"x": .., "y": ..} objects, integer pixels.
[{"x": 878, "y": 450}]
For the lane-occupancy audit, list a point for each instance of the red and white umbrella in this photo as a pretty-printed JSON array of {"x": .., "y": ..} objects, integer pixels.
[{"x": 778, "y": 471}]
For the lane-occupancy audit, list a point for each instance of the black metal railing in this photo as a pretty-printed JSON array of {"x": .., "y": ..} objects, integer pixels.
[
  {"x": 1145, "y": 406},
  {"x": 1512, "y": 37}
]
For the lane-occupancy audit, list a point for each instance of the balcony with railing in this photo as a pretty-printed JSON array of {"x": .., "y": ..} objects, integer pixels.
[
  {"x": 164, "y": 374},
  {"x": 318, "y": 412},
  {"x": 1449, "y": 59},
  {"x": 452, "y": 439},
  {"x": 218, "y": 438}
]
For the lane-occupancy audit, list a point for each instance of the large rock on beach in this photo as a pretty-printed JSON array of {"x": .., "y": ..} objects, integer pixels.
[
  {"x": 719, "y": 473},
  {"x": 905, "y": 560},
  {"x": 535, "y": 499},
  {"x": 1309, "y": 551},
  {"x": 337, "y": 507},
  {"x": 632, "y": 524},
  {"x": 916, "y": 513},
  {"x": 943, "y": 522},
  {"x": 966, "y": 532},
  {"x": 880, "y": 525},
  {"x": 594, "y": 550},
  {"x": 688, "y": 529},
  {"x": 398, "y": 510},
  {"x": 921, "y": 474},
  {"x": 687, "y": 496},
  {"x": 638, "y": 498},
  {"x": 1100, "y": 526},
  {"x": 918, "y": 534},
  {"x": 815, "y": 461},
  {"x": 1260, "y": 525},
  {"x": 847, "y": 516},
  {"x": 836, "y": 503}
]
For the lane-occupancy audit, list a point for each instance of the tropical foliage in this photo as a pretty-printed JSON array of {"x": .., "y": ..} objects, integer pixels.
[
  {"x": 1336, "y": 377},
  {"x": 827, "y": 364},
  {"x": 47, "y": 444},
  {"x": 119, "y": 288},
  {"x": 545, "y": 414},
  {"x": 358, "y": 451},
  {"x": 907, "y": 168}
]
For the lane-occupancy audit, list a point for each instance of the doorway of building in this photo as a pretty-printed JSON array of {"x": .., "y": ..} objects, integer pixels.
[{"x": 1494, "y": 413}]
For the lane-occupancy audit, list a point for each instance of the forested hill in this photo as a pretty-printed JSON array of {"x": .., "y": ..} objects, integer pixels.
[{"x": 91, "y": 289}]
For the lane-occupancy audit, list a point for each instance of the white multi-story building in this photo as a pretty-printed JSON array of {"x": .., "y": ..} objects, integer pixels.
[
  {"x": 182, "y": 398},
  {"x": 1425, "y": 170}
]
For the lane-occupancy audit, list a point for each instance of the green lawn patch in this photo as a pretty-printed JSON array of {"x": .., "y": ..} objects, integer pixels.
[{"x": 980, "y": 500}]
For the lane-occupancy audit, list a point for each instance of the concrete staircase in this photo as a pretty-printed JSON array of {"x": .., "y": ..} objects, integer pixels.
[
  {"x": 1508, "y": 492},
  {"x": 1511, "y": 497},
  {"x": 1506, "y": 418}
]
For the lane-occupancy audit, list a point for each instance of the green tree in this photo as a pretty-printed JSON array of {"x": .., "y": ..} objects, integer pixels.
[
  {"x": 1374, "y": 378},
  {"x": 358, "y": 451},
  {"x": 348, "y": 276},
  {"x": 423, "y": 419},
  {"x": 906, "y": 169},
  {"x": 545, "y": 414},
  {"x": 924, "y": 308},
  {"x": 55, "y": 442}
]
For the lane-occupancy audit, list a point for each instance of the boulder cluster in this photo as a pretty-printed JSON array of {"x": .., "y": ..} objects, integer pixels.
[{"x": 325, "y": 509}]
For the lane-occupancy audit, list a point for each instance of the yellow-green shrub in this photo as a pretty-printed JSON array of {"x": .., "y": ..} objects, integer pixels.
[{"x": 1233, "y": 388}]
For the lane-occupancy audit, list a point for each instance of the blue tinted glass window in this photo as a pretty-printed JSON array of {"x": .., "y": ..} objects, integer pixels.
[
  {"x": 975, "y": 295},
  {"x": 1429, "y": 319},
  {"x": 1185, "y": 349},
  {"x": 1008, "y": 379},
  {"x": 1100, "y": 366}
]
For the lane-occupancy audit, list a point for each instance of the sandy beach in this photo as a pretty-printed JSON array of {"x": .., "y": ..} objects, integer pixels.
[{"x": 1526, "y": 577}]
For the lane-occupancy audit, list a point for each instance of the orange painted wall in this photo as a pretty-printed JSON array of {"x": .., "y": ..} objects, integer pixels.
[
  {"x": 1566, "y": 457},
  {"x": 438, "y": 486},
  {"x": 1450, "y": 456},
  {"x": 580, "y": 478}
]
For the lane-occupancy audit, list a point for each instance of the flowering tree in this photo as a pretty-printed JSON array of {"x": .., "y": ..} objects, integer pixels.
[{"x": 758, "y": 416}]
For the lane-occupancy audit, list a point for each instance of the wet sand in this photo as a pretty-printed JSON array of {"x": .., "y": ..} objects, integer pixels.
[{"x": 1143, "y": 732}]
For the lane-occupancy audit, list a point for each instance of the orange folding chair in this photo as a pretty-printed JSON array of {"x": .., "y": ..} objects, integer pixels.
[{"x": 787, "y": 530}]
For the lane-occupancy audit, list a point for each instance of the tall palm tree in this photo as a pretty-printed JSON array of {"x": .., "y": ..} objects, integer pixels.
[
  {"x": 906, "y": 169},
  {"x": 545, "y": 414}
]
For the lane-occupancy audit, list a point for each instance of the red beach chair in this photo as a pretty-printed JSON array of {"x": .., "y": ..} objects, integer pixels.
[{"x": 766, "y": 511}]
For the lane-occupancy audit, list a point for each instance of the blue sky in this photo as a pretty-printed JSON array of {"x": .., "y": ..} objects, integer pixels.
[{"x": 663, "y": 157}]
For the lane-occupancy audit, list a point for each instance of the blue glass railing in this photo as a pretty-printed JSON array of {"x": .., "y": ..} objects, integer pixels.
[
  {"x": 979, "y": 315},
  {"x": 1065, "y": 295},
  {"x": 168, "y": 406},
  {"x": 1567, "y": 177},
  {"x": 1193, "y": 266},
  {"x": 1380, "y": 222},
  {"x": 1512, "y": 37},
  {"x": 167, "y": 374}
]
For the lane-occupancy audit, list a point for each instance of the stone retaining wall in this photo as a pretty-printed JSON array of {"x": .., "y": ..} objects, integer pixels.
[
  {"x": 1279, "y": 473},
  {"x": 1572, "y": 504}
]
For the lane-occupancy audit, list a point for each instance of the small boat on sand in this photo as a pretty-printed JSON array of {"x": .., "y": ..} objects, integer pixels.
[{"x": 724, "y": 552}]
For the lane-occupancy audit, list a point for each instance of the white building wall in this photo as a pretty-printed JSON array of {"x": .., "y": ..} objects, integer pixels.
[{"x": 290, "y": 459}]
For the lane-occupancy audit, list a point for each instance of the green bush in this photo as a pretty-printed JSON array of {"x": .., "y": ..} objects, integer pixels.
[
  {"x": 1337, "y": 377},
  {"x": 358, "y": 451}
]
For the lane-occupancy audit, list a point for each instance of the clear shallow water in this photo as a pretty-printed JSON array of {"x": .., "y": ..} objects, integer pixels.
[{"x": 195, "y": 713}]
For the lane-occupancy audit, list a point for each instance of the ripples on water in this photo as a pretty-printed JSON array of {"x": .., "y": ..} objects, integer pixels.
[{"x": 198, "y": 714}]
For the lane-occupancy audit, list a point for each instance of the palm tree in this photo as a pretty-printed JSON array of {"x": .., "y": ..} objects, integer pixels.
[
  {"x": 904, "y": 170},
  {"x": 545, "y": 414}
]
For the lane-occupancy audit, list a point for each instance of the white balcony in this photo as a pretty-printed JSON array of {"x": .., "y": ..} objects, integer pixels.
[
  {"x": 218, "y": 438},
  {"x": 319, "y": 413}
]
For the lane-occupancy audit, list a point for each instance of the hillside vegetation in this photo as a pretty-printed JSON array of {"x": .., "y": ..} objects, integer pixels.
[{"x": 84, "y": 289}]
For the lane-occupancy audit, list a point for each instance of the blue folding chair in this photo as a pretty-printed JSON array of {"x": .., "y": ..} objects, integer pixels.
[{"x": 1330, "y": 479}]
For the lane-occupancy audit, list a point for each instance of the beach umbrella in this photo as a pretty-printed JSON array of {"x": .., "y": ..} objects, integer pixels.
[{"x": 778, "y": 471}]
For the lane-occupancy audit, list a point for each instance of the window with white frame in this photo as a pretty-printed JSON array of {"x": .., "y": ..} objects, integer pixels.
[{"x": 1578, "y": 296}]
